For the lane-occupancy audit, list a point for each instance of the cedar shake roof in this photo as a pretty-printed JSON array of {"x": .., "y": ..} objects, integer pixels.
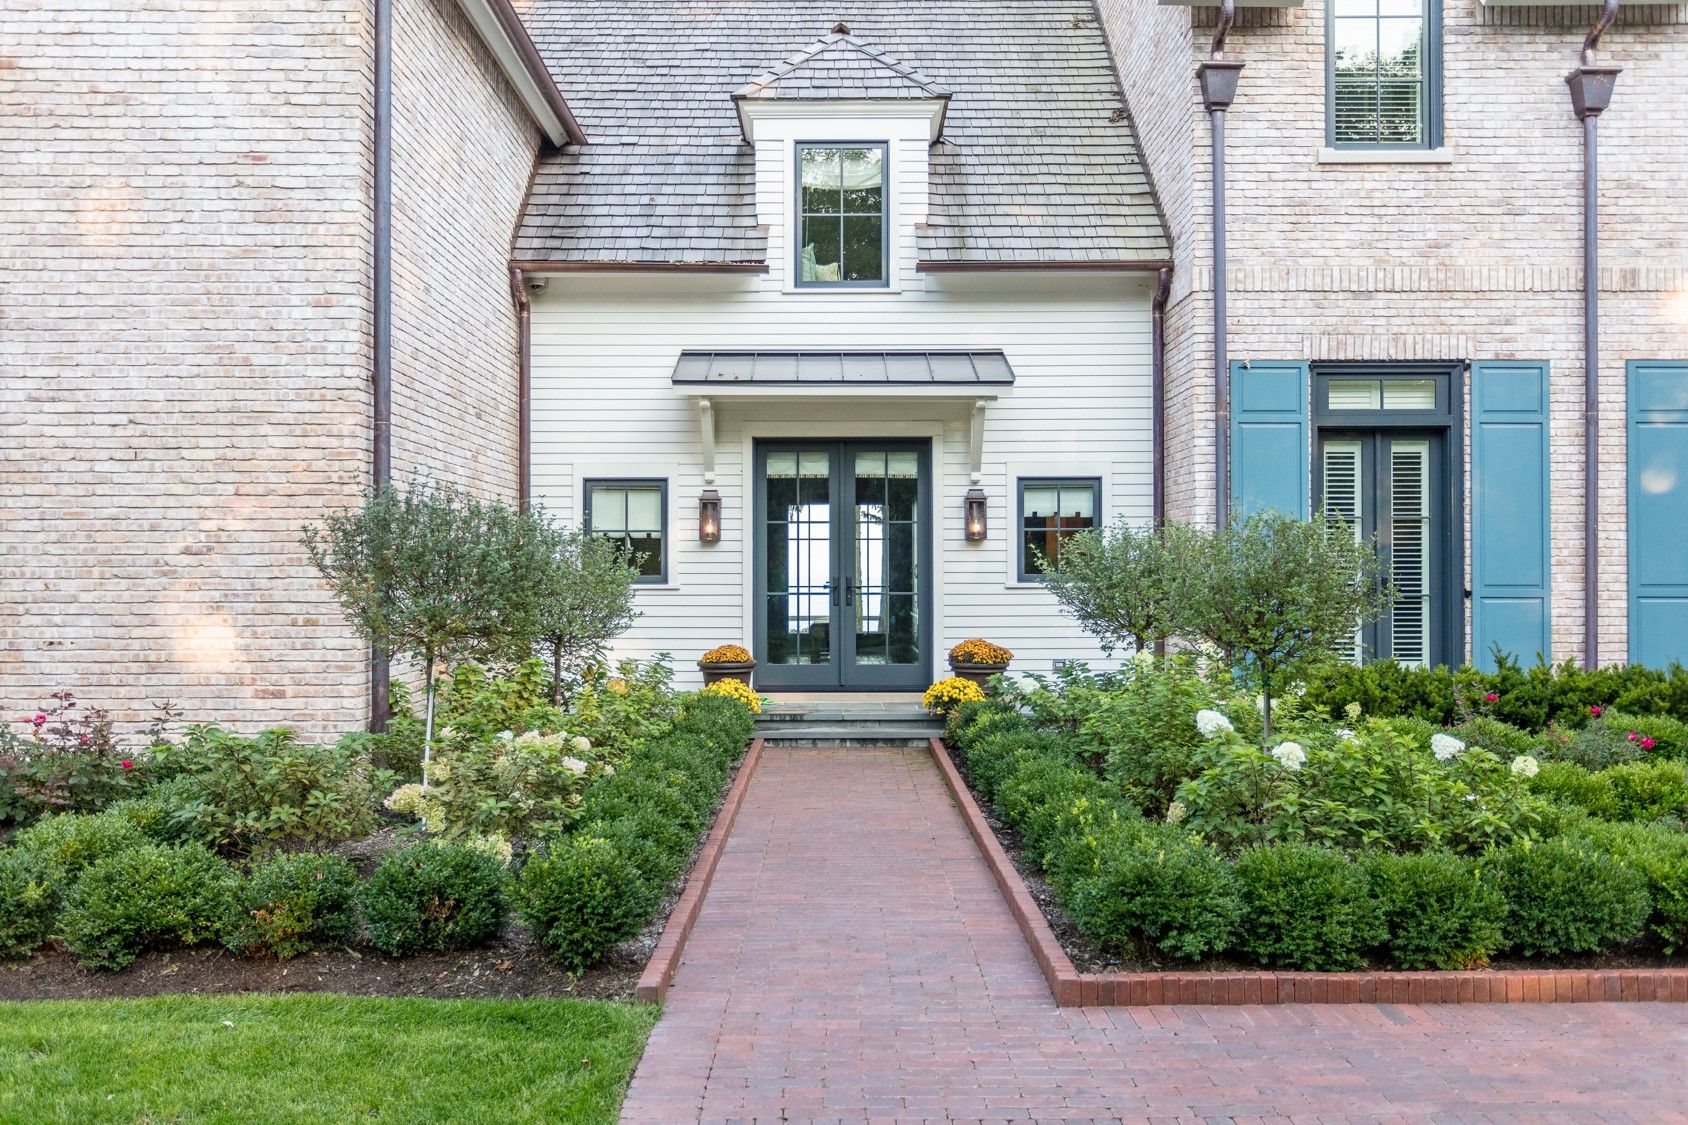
[{"x": 1037, "y": 165}]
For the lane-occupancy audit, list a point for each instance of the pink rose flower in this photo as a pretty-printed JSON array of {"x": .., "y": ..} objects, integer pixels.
[
  {"x": 1492, "y": 697},
  {"x": 1633, "y": 737},
  {"x": 127, "y": 764},
  {"x": 39, "y": 719},
  {"x": 1595, "y": 710},
  {"x": 1647, "y": 744}
]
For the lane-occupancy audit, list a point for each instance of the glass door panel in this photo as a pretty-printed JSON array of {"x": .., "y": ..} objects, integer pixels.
[
  {"x": 842, "y": 566},
  {"x": 799, "y": 570}
]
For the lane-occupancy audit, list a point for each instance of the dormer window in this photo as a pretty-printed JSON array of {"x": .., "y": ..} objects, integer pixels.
[{"x": 841, "y": 214}]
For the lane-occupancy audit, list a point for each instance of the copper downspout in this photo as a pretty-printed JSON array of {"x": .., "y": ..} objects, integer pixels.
[
  {"x": 381, "y": 373},
  {"x": 524, "y": 386},
  {"x": 1218, "y": 79},
  {"x": 1157, "y": 390},
  {"x": 1591, "y": 92}
]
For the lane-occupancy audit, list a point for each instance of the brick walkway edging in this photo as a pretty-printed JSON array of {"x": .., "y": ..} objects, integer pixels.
[
  {"x": 665, "y": 958},
  {"x": 1072, "y": 988}
]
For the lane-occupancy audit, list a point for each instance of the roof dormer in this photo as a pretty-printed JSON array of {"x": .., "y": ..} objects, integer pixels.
[{"x": 854, "y": 78}]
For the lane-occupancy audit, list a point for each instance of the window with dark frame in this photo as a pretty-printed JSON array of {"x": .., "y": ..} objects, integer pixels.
[
  {"x": 1051, "y": 511},
  {"x": 633, "y": 513},
  {"x": 841, "y": 195},
  {"x": 1383, "y": 79}
]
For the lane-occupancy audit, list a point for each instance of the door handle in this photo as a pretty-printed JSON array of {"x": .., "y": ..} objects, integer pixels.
[
  {"x": 850, "y": 591},
  {"x": 833, "y": 587}
]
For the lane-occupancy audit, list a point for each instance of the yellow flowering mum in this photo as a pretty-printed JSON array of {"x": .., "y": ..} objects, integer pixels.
[
  {"x": 738, "y": 691},
  {"x": 727, "y": 654},
  {"x": 976, "y": 650},
  {"x": 948, "y": 694}
]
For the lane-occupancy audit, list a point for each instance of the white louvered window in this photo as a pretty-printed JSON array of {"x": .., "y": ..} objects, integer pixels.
[
  {"x": 1383, "y": 76},
  {"x": 1343, "y": 498},
  {"x": 1409, "y": 560}
]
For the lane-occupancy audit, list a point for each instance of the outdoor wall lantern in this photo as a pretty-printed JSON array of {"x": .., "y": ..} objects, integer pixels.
[
  {"x": 709, "y": 517},
  {"x": 975, "y": 512}
]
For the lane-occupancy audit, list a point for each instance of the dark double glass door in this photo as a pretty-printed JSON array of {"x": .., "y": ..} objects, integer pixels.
[{"x": 843, "y": 565}]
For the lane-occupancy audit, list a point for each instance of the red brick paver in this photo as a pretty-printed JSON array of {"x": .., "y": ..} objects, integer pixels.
[{"x": 855, "y": 961}]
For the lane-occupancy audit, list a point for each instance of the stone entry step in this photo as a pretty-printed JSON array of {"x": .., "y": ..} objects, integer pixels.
[{"x": 849, "y": 720}]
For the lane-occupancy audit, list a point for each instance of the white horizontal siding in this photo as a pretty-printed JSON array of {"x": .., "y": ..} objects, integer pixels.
[{"x": 604, "y": 349}]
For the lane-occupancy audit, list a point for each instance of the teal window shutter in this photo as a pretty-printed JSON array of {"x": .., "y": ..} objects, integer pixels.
[
  {"x": 1269, "y": 453},
  {"x": 1510, "y": 549},
  {"x": 1658, "y": 512}
]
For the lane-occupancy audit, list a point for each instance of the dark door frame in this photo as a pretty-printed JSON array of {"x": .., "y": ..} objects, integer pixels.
[
  {"x": 841, "y": 673},
  {"x": 1448, "y": 421}
]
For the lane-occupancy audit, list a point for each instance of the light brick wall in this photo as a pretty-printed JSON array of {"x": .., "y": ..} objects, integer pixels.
[
  {"x": 184, "y": 335},
  {"x": 1479, "y": 258},
  {"x": 463, "y": 150}
]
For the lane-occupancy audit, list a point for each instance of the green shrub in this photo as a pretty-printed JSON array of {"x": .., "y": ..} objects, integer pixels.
[
  {"x": 1438, "y": 910},
  {"x": 1573, "y": 785},
  {"x": 1306, "y": 908},
  {"x": 150, "y": 813},
  {"x": 1660, "y": 856},
  {"x": 1033, "y": 796},
  {"x": 147, "y": 897},
  {"x": 1144, "y": 730},
  {"x": 29, "y": 901},
  {"x": 434, "y": 897},
  {"x": 1500, "y": 738},
  {"x": 1562, "y": 896},
  {"x": 1669, "y": 734},
  {"x": 1646, "y": 791},
  {"x": 242, "y": 794},
  {"x": 1154, "y": 887},
  {"x": 289, "y": 903},
  {"x": 582, "y": 896},
  {"x": 1597, "y": 746},
  {"x": 71, "y": 842},
  {"x": 69, "y": 762}
]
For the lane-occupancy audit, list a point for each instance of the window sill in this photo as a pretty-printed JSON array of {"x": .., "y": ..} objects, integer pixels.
[{"x": 1443, "y": 155}]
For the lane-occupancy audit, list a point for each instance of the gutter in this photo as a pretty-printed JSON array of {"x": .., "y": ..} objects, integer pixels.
[
  {"x": 381, "y": 287},
  {"x": 1591, "y": 92},
  {"x": 501, "y": 29}
]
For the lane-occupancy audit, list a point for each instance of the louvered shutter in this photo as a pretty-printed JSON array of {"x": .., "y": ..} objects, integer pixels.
[
  {"x": 1409, "y": 558},
  {"x": 1344, "y": 492},
  {"x": 1658, "y": 513},
  {"x": 1269, "y": 452},
  {"x": 1510, "y": 549}
]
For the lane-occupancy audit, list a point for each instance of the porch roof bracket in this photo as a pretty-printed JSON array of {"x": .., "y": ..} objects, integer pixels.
[
  {"x": 706, "y": 437},
  {"x": 976, "y": 441}
]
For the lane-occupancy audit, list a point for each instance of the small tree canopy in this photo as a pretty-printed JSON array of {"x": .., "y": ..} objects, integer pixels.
[
  {"x": 1126, "y": 584},
  {"x": 430, "y": 573},
  {"x": 1285, "y": 594},
  {"x": 582, "y": 598}
]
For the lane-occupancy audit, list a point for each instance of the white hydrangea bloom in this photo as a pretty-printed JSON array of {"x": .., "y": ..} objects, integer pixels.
[
  {"x": 1353, "y": 711},
  {"x": 1345, "y": 734},
  {"x": 581, "y": 744},
  {"x": 1143, "y": 658},
  {"x": 1445, "y": 746},
  {"x": 609, "y": 770},
  {"x": 1176, "y": 812},
  {"x": 1212, "y": 723},
  {"x": 1525, "y": 766},
  {"x": 504, "y": 736},
  {"x": 574, "y": 766},
  {"x": 1290, "y": 755},
  {"x": 496, "y": 846}
]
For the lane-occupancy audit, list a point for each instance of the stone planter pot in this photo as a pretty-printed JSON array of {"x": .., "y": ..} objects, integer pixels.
[
  {"x": 715, "y": 672},
  {"x": 978, "y": 673}
]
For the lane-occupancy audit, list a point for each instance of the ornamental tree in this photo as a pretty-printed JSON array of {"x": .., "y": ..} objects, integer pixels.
[
  {"x": 1127, "y": 584},
  {"x": 582, "y": 596},
  {"x": 432, "y": 574},
  {"x": 1283, "y": 595}
]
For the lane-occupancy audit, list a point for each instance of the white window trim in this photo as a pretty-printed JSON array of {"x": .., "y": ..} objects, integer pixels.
[
  {"x": 893, "y": 211},
  {"x": 1443, "y": 155}
]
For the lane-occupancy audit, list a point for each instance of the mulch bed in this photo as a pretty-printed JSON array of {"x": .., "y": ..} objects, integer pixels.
[
  {"x": 515, "y": 968},
  {"x": 1088, "y": 957}
]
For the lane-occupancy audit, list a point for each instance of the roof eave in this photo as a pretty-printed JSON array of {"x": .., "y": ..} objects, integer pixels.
[
  {"x": 501, "y": 29},
  {"x": 623, "y": 265},
  {"x": 1110, "y": 265},
  {"x": 750, "y": 107}
]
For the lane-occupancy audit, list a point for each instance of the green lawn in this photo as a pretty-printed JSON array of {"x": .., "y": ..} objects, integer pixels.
[{"x": 317, "y": 1058}]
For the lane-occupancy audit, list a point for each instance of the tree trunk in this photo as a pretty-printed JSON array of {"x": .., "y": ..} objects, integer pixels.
[
  {"x": 428, "y": 723},
  {"x": 1265, "y": 707},
  {"x": 556, "y": 674}
]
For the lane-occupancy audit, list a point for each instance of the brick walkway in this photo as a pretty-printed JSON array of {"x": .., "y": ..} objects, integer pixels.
[{"x": 854, "y": 961}]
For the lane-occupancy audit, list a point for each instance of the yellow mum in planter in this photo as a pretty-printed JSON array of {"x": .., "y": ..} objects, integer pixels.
[
  {"x": 738, "y": 691},
  {"x": 975, "y": 650},
  {"x": 726, "y": 654},
  {"x": 949, "y": 693}
]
